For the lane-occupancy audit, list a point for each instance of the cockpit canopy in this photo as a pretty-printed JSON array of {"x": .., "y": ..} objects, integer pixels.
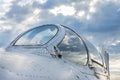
[{"x": 68, "y": 43}]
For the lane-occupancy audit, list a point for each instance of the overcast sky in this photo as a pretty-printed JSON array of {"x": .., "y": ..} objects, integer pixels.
[{"x": 96, "y": 20}]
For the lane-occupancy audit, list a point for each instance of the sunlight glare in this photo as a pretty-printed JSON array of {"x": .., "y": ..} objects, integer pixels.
[
  {"x": 88, "y": 17},
  {"x": 92, "y": 10},
  {"x": 81, "y": 13},
  {"x": 36, "y": 11},
  {"x": 64, "y": 10}
]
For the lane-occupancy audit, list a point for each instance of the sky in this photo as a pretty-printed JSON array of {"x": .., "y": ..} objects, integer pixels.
[{"x": 96, "y": 20}]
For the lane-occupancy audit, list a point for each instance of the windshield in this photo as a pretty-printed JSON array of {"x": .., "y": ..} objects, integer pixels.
[{"x": 38, "y": 36}]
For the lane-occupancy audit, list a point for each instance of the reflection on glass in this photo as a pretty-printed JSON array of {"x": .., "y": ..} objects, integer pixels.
[
  {"x": 72, "y": 48},
  {"x": 94, "y": 54},
  {"x": 38, "y": 36}
]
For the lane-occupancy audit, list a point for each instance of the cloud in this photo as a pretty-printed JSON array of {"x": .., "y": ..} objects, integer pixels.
[
  {"x": 5, "y": 37},
  {"x": 17, "y": 13},
  {"x": 99, "y": 19},
  {"x": 64, "y": 10},
  {"x": 105, "y": 19},
  {"x": 114, "y": 48}
]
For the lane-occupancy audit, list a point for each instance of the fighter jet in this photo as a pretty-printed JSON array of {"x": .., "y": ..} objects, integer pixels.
[{"x": 53, "y": 52}]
